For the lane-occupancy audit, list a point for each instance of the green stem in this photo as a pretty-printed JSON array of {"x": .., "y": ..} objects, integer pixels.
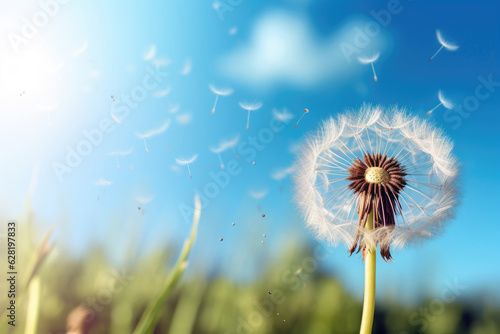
[{"x": 370, "y": 271}]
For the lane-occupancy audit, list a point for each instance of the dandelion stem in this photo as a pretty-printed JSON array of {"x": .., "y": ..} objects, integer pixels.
[
  {"x": 429, "y": 112},
  {"x": 370, "y": 270},
  {"x": 442, "y": 46}
]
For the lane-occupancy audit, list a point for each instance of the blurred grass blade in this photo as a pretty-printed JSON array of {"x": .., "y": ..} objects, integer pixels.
[
  {"x": 185, "y": 313},
  {"x": 150, "y": 317},
  {"x": 39, "y": 257},
  {"x": 33, "y": 306}
]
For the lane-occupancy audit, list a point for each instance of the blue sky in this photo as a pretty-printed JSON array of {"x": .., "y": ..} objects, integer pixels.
[{"x": 286, "y": 54}]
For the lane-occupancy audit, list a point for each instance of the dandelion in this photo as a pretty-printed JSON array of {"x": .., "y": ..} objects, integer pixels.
[
  {"x": 370, "y": 61},
  {"x": 444, "y": 44},
  {"x": 219, "y": 92},
  {"x": 306, "y": 111},
  {"x": 443, "y": 101},
  {"x": 120, "y": 153},
  {"x": 152, "y": 133},
  {"x": 187, "y": 162},
  {"x": 376, "y": 178},
  {"x": 250, "y": 107}
]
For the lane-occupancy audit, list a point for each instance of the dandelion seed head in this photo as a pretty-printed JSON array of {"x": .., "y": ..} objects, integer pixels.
[
  {"x": 377, "y": 158},
  {"x": 446, "y": 43}
]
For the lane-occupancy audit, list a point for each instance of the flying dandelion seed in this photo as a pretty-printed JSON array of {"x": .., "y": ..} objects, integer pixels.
[
  {"x": 253, "y": 163},
  {"x": 139, "y": 208},
  {"x": 144, "y": 200},
  {"x": 377, "y": 177},
  {"x": 259, "y": 194},
  {"x": 442, "y": 101},
  {"x": 184, "y": 119},
  {"x": 283, "y": 173},
  {"x": 224, "y": 145},
  {"x": 306, "y": 111},
  {"x": 160, "y": 62},
  {"x": 152, "y": 133},
  {"x": 120, "y": 153},
  {"x": 263, "y": 215},
  {"x": 218, "y": 150},
  {"x": 262, "y": 242},
  {"x": 450, "y": 46},
  {"x": 188, "y": 66},
  {"x": 221, "y": 239},
  {"x": 101, "y": 182},
  {"x": 173, "y": 108},
  {"x": 48, "y": 109},
  {"x": 81, "y": 49},
  {"x": 232, "y": 144},
  {"x": 150, "y": 54},
  {"x": 233, "y": 31},
  {"x": 282, "y": 116},
  {"x": 250, "y": 107},
  {"x": 263, "y": 235},
  {"x": 187, "y": 162},
  {"x": 163, "y": 93},
  {"x": 234, "y": 224},
  {"x": 219, "y": 92},
  {"x": 370, "y": 61}
]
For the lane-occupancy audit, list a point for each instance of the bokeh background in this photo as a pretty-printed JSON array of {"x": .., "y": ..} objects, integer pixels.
[{"x": 78, "y": 69}]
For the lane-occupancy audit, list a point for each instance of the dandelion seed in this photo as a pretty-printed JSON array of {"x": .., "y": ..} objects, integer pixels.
[
  {"x": 263, "y": 235},
  {"x": 250, "y": 107},
  {"x": 138, "y": 208},
  {"x": 262, "y": 242},
  {"x": 377, "y": 177},
  {"x": 298, "y": 271},
  {"x": 120, "y": 153},
  {"x": 219, "y": 92},
  {"x": 370, "y": 61},
  {"x": 263, "y": 215},
  {"x": 144, "y": 200},
  {"x": 270, "y": 293},
  {"x": 224, "y": 145},
  {"x": 187, "y": 162},
  {"x": 282, "y": 173},
  {"x": 150, "y": 53},
  {"x": 163, "y": 93},
  {"x": 160, "y": 62},
  {"x": 101, "y": 182},
  {"x": 306, "y": 111},
  {"x": 188, "y": 66},
  {"x": 221, "y": 239},
  {"x": 183, "y": 119},
  {"x": 234, "y": 224},
  {"x": 259, "y": 194},
  {"x": 81, "y": 49},
  {"x": 233, "y": 31},
  {"x": 48, "y": 109},
  {"x": 253, "y": 163},
  {"x": 283, "y": 116},
  {"x": 442, "y": 101},
  {"x": 173, "y": 108},
  {"x": 444, "y": 44},
  {"x": 277, "y": 314},
  {"x": 152, "y": 133}
]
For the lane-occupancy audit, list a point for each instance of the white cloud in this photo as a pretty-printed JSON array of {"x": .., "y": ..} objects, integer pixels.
[{"x": 284, "y": 48}]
